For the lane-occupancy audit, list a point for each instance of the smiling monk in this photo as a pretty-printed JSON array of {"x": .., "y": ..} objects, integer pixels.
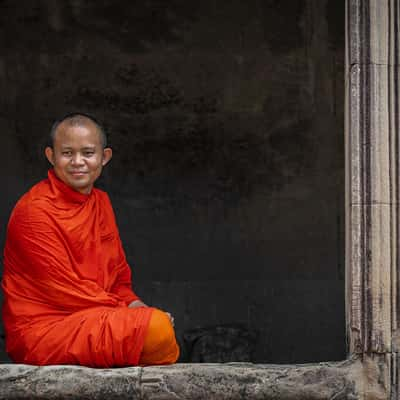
[{"x": 67, "y": 284}]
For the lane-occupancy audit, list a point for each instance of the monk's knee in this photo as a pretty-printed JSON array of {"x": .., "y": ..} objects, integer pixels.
[
  {"x": 160, "y": 332},
  {"x": 160, "y": 346}
]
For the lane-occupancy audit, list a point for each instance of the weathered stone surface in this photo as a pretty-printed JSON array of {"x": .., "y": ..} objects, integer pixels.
[
  {"x": 19, "y": 381},
  {"x": 371, "y": 138},
  {"x": 370, "y": 279},
  {"x": 369, "y": 25},
  {"x": 246, "y": 381},
  {"x": 372, "y": 191},
  {"x": 183, "y": 381},
  {"x": 372, "y": 186}
]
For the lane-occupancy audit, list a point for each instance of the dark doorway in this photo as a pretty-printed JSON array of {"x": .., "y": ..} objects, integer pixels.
[{"x": 226, "y": 121}]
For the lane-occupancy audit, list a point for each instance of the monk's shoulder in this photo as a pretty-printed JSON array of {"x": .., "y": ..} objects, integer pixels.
[
  {"x": 103, "y": 197},
  {"x": 34, "y": 202},
  {"x": 107, "y": 209}
]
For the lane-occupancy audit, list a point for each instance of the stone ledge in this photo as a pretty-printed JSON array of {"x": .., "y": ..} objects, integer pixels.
[{"x": 334, "y": 380}]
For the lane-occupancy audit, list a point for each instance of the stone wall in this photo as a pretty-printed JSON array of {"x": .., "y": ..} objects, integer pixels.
[{"x": 226, "y": 120}]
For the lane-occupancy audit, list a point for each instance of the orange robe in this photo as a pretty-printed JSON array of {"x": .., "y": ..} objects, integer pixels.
[{"x": 67, "y": 284}]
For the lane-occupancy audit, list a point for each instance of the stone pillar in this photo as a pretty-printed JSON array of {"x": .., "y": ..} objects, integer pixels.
[{"x": 372, "y": 187}]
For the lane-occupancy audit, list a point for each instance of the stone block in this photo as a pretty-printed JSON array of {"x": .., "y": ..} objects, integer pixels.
[
  {"x": 374, "y": 47},
  {"x": 234, "y": 381},
  {"x": 371, "y": 250},
  {"x": 20, "y": 381},
  {"x": 371, "y": 137}
]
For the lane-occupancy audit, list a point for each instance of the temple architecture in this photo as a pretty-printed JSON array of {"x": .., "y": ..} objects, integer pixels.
[{"x": 370, "y": 370}]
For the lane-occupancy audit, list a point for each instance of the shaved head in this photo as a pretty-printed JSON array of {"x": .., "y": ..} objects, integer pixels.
[
  {"x": 77, "y": 119},
  {"x": 78, "y": 151}
]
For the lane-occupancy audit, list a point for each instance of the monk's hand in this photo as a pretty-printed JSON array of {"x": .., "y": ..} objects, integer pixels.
[
  {"x": 171, "y": 318},
  {"x": 137, "y": 303}
]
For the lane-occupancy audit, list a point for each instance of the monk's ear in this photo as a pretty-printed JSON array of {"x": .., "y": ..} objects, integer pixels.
[
  {"x": 49, "y": 154},
  {"x": 107, "y": 154}
]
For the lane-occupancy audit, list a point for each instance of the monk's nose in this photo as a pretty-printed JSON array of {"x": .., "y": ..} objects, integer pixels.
[{"x": 77, "y": 159}]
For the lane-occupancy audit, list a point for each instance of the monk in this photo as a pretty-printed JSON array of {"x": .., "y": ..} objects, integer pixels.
[{"x": 68, "y": 297}]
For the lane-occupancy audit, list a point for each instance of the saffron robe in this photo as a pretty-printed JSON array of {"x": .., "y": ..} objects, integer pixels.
[{"x": 67, "y": 283}]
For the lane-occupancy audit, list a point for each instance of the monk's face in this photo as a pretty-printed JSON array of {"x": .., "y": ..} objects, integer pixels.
[{"x": 78, "y": 155}]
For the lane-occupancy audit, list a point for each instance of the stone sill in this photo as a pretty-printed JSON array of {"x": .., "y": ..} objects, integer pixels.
[{"x": 335, "y": 380}]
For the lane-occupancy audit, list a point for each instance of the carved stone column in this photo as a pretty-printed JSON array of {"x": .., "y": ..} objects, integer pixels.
[{"x": 372, "y": 187}]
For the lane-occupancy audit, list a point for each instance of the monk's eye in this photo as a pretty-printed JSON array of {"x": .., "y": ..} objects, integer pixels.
[
  {"x": 88, "y": 153},
  {"x": 66, "y": 153}
]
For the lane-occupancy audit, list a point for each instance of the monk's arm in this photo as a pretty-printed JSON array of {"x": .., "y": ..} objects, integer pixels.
[
  {"x": 122, "y": 286},
  {"x": 123, "y": 282}
]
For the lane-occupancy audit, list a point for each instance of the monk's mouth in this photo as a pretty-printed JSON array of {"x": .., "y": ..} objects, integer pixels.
[{"x": 78, "y": 173}]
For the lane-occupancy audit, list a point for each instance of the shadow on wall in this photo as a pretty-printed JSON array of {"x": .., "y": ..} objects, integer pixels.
[{"x": 226, "y": 343}]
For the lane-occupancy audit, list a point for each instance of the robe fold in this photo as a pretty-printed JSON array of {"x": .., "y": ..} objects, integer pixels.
[{"x": 67, "y": 283}]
